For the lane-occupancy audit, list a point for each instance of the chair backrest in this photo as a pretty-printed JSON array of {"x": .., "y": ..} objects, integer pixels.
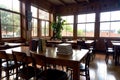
[
  {"x": 82, "y": 44},
  {"x": 33, "y": 44},
  {"x": 3, "y": 55},
  {"x": 107, "y": 44},
  {"x": 19, "y": 57},
  {"x": 94, "y": 43},
  {"x": 38, "y": 59}
]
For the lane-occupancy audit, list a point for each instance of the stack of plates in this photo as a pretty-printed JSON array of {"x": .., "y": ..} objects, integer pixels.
[{"x": 64, "y": 48}]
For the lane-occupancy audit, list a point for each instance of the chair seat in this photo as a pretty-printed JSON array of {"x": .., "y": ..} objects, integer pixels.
[
  {"x": 11, "y": 64},
  {"x": 82, "y": 67},
  {"x": 110, "y": 51},
  {"x": 52, "y": 74}
]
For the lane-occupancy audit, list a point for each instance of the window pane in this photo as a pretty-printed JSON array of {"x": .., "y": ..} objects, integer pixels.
[
  {"x": 47, "y": 28},
  {"x": 34, "y": 11},
  {"x": 90, "y": 17},
  {"x": 4, "y": 31},
  {"x": 16, "y": 19},
  {"x": 43, "y": 24},
  {"x": 34, "y": 27},
  {"x": 115, "y": 29},
  {"x": 43, "y": 15},
  {"x": 34, "y": 31},
  {"x": 115, "y": 15},
  {"x": 13, "y": 5},
  {"x": 16, "y": 5},
  {"x": 67, "y": 30},
  {"x": 104, "y": 29},
  {"x": 6, "y": 4},
  {"x": 90, "y": 30},
  {"x": 7, "y": 31},
  {"x": 105, "y": 16},
  {"x": 81, "y": 30},
  {"x": 68, "y": 19},
  {"x": 6, "y": 18},
  {"x": 17, "y": 31},
  {"x": 81, "y": 18}
]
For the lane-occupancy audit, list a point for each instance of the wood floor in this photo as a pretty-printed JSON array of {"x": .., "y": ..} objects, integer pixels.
[{"x": 99, "y": 70}]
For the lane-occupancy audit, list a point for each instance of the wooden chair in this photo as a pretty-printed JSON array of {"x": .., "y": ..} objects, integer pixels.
[
  {"x": 92, "y": 49},
  {"x": 23, "y": 69},
  {"x": 109, "y": 50},
  {"x": 81, "y": 44},
  {"x": 84, "y": 67},
  {"x": 6, "y": 65},
  {"x": 47, "y": 74}
]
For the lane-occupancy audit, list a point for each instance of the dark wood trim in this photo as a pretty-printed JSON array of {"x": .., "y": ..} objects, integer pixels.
[
  {"x": 63, "y": 2},
  {"x": 77, "y": 1}
]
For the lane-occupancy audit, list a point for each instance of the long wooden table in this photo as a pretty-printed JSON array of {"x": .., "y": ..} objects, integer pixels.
[
  {"x": 72, "y": 60},
  {"x": 116, "y": 45}
]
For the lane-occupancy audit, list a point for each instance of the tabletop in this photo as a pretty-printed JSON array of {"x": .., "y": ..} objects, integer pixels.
[{"x": 52, "y": 53}]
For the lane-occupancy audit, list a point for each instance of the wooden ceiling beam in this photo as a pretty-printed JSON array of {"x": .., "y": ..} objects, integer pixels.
[
  {"x": 76, "y": 1},
  {"x": 62, "y": 1},
  {"x": 79, "y": 1}
]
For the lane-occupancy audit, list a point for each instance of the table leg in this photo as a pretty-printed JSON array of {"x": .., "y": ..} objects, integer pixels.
[
  {"x": 76, "y": 72},
  {"x": 116, "y": 55},
  {"x": 0, "y": 68}
]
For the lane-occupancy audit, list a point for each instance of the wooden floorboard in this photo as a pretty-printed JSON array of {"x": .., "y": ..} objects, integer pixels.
[{"x": 99, "y": 70}]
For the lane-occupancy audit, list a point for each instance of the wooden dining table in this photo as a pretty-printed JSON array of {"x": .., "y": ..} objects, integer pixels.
[
  {"x": 116, "y": 45},
  {"x": 72, "y": 60}
]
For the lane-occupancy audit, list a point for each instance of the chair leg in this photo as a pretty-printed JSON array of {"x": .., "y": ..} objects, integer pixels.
[
  {"x": 106, "y": 57},
  {"x": 16, "y": 74},
  {"x": 7, "y": 74},
  {"x": 87, "y": 75}
]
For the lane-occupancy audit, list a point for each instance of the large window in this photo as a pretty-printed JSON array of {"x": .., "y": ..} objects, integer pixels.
[
  {"x": 44, "y": 18},
  {"x": 10, "y": 20},
  {"x": 34, "y": 21},
  {"x": 86, "y": 25},
  {"x": 110, "y": 24},
  {"x": 68, "y": 26}
]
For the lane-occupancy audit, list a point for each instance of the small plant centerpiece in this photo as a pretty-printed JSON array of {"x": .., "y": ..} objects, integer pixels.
[{"x": 57, "y": 27}]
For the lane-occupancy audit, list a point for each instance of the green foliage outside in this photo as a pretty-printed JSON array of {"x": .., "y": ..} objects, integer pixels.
[
  {"x": 80, "y": 32},
  {"x": 118, "y": 31}
]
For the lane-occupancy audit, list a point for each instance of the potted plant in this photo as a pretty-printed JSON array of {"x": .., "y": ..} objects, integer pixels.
[{"x": 57, "y": 27}]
